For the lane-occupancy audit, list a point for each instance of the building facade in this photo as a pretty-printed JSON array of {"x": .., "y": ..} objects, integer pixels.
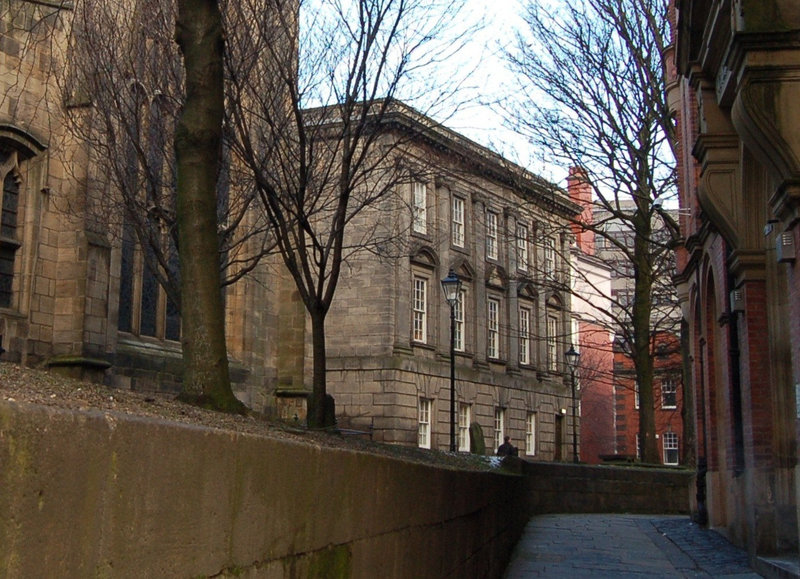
[
  {"x": 735, "y": 93},
  {"x": 667, "y": 399},
  {"x": 504, "y": 233}
]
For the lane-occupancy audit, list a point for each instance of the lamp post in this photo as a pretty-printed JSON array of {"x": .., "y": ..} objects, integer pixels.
[
  {"x": 572, "y": 357},
  {"x": 451, "y": 286}
]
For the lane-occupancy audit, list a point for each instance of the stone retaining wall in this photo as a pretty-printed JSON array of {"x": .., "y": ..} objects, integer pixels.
[
  {"x": 570, "y": 488},
  {"x": 91, "y": 494}
]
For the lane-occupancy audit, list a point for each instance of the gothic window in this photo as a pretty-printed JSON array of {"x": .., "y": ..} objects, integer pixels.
[
  {"x": 148, "y": 258},
  {"x": 9, "y": 238}
]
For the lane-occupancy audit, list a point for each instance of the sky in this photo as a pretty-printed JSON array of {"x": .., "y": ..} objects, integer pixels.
[{"x": 484, "y": 122}]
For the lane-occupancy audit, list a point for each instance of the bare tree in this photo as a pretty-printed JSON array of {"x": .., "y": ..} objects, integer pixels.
[
  {"x": 591, "y": 93},
  {"x": 309, "y": 126}
]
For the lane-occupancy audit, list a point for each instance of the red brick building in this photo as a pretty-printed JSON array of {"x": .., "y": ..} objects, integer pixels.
[
  {"x": 667, "y": 396},
  {"x": 734, "y": 93}
]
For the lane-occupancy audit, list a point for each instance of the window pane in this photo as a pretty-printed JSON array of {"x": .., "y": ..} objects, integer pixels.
[
  {"x": 530, "y": 434},
  {"x": 522, "y": 247},
  {"x": 670, "y": 448},
  {"x": 420, "y": 208},
  {"x": 124, "y": 322},
  {"x": 491, "y": 235},
  {"x": 524, "y": 336},
  {"x": 420, "y": 307},
  {"x": 499, "y": 426},
  {"x": 8, "y": 223},
  {"x": 458, "y": 222},
  {"x": 669, "y": 397},
  {"x": 424, "y": 434},
  {"x": 463, "y": 427},
  {"x": 458, "y": 311},
  {"x": 6, "y": 274},
  {"x": 492, "y": 325},
  {"x": 149, "y": 305}
]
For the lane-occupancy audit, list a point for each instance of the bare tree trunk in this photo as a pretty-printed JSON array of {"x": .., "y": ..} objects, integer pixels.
[
  {"x": 316, "y": 403},
  {"x": 197, "y": 148},
  {"x": 641, "y": 312}
]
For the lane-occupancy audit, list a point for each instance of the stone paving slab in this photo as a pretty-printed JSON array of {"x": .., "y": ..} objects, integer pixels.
[{"x": 626, "y": 546}]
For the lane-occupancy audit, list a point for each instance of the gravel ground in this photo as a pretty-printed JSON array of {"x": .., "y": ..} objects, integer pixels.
[{"x": 25, "y": 385}]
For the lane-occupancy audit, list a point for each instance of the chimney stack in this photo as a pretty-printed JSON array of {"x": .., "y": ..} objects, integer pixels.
[{"x": 580, "y": 192}]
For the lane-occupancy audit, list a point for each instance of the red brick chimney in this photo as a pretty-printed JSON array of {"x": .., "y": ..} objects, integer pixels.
[{"x": 580, "y": 191}]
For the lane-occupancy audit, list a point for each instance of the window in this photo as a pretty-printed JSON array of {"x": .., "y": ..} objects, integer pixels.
[
  {"x": 420, "y": 208},
  {"x": 493, "y": 328},
  {"x": 522, "y": 247},
  {"x": 8, "y": 229},
  {"x": 669, "y": 395},
  {"x": 464, "y": 411},
  {"x": 524, "y": 336},
  {"x": 458, "y": 312},
  {"x": 670, "y": 448},
  {"x": 458, "y": 222},
  {"x": 491, "y": 235},
  {"x": 420, "y": 309},
  {"x": 530, "y": 434},
  {"x": 144, "y": 308},
  {"x": 549, "y": 256},
  {"x": 424, "y": 432},
  {"x": 499, "y": 426},
  {"x": 636, "y": 395},
  {"x": 552, "y": 343}
]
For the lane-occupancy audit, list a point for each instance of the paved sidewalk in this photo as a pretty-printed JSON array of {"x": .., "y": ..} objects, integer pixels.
[{"x": 624, "y": 546}]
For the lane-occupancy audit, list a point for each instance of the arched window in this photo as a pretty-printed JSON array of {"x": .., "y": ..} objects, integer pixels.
[{"x": 8, "y": 231}]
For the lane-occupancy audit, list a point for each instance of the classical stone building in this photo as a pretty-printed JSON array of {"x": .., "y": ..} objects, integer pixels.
[
  {"x": 504, "y": 232},
  {"x": 76, "y": 292},
  {"x": 735, "y": 93}
]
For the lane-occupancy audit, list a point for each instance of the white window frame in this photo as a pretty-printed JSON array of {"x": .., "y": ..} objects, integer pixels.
[
  {"x": 523, "y": 254},
  {"x": 491, "y": 235},
  {"x": 419, "y": 300},
  {"x": 493, "y": 328},
  {"x": 425, "y": 411},
  {"x": 499, "y": 426},
  {"x": 458, "y": 312},
  {"x": 530, "y": 434},
  {"x": 636, "y": 394},
  {"x": 457, "y": 220},
  {"x": 549, "y": 256},
  {"x": 524, "y": 335},
  {"x": 669, "y": 440},
  {"x": 464, "y": 417},
  {"x": 669, "y": 387},
  {"x": 552, "y": 342},
  {"x": 420, "y": 207}
]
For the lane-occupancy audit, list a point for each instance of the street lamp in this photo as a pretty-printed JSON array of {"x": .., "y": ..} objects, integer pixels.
[
  {"x": 572, "y": 357},
  {"x": 451, "y": 286}
]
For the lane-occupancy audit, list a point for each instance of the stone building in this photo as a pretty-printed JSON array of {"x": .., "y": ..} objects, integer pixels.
[
  {"x": 735, "y": 93},
  {"x": 504, "y": 233},
  {"x": 76, "y": 292}
]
